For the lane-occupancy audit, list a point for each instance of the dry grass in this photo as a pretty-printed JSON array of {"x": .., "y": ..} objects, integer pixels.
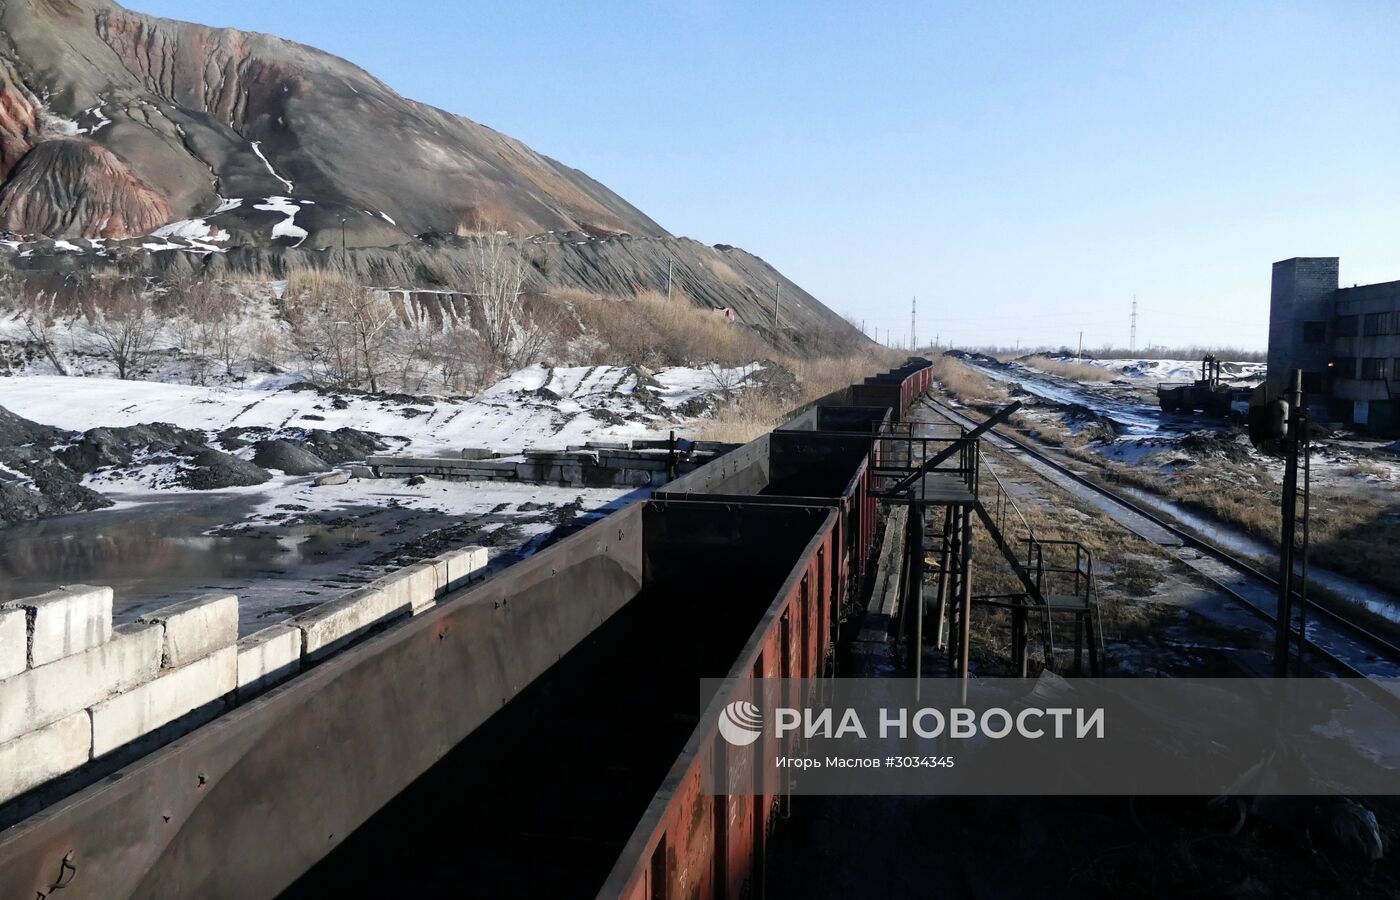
[
  {"x": 1350, "y": 533},
  {"x": 755, "y": 412},
  {"x": 311, "y": 282},
  {"x": 652, "y": 331},
  {"x": 967, "y": 384},
  {"x": 1066, "y": 369},
  {"x": 1365, "y": 468}
]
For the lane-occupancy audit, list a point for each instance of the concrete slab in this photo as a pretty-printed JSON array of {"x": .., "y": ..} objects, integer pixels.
[
  {"x": 41, "y": 755},
  {"x": 413, "y": 586},
  {"x": 14, "y": 642},
  {"x": 42, "y": 695},
  {"x": 195, "y": 628},
  {"x": 461, "y": 564},
  {"x": 331, "y": 626},
  {"x": 266, "y": 658},
  {"x": 66, "y": 621},
  {"x": 200, "y": 686}
]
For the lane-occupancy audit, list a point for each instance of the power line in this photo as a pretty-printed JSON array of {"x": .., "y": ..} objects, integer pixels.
[{"x": 1132, "y": 332}]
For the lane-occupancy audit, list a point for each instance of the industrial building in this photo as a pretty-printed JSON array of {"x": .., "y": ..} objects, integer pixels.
[{"x": 1346, "y": 341}]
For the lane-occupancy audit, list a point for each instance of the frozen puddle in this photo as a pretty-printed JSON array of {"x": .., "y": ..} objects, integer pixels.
[{"x": 286, "y": 546}]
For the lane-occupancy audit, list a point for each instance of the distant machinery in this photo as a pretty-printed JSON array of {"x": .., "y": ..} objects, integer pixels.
[{"x": 1206, "y": 394}]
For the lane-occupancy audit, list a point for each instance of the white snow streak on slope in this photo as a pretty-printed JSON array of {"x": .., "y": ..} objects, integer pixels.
[
  {"x": 288, "y": 227},
  {"x": 257, "y": 148}
]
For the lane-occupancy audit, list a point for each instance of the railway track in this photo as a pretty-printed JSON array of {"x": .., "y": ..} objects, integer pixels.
[{"x": 1347, "y": 647}]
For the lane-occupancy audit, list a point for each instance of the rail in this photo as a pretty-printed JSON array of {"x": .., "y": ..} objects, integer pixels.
[{"x": 1383, "y": 647}]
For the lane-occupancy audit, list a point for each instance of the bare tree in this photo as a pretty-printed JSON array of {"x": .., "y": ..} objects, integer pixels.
[
  {"x": 339, "y": 330},
  {"x": 41, "y": 306},
  {"x": 123, "y": 323},
  {"x": 497, "y": 271},
  {"x": 725, "y": 381}
]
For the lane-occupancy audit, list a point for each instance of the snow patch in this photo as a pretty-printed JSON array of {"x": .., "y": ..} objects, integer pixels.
[
  {"x": 287, "y": 228},
  {"x": 101, "y": 120},
  {"x": 191, "y": 230}
]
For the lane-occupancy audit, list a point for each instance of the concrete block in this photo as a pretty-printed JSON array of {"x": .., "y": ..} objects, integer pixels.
[
  {"x": 330, "y": 478},
  {"x": 528, "y": 472},
  {"x": 362, "y": 472},
  {"x": 14, "y": 642},
  {"x": 196, "y": 628},
  {"x": 266, "y": 658},
  {"x": 200, "y": 686},
  {"x": 412, "y": 586},
  {"x": 477, "y": 453},
  {"x": 42, "y": 695},
  {"x": 44, "y": 754},
  {"x": 491, "y": 465},
  {"x": 331, "y": 626},
  {"x": 66, "y": 621},
  {"x": 460, "y": 564}
]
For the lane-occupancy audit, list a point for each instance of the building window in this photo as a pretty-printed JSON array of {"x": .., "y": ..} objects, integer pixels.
[
  {"x": 1371, "y": 325},
  {"x": 1314, "y": 332},
  {"x": 1395, "y": 370},
  {"x": 1346, "y": 326},
  {"x": 1343, "y": 367},
  {"x": 1389, "y": 321},
  {"x": 1372, "y": 369},
  {"x": 1312, "y": 381}
]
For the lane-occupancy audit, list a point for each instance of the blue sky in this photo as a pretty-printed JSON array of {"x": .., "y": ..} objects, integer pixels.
[{"x": 1024, "y": 169}]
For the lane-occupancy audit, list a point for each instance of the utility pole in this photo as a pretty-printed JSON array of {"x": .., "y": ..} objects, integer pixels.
[
  {"x": 668, "y": 279},
  {"x": 913, "y": 309},
  {"x": 1295, "y": 439},
  {"x": 1132, "y": 332},
  {"x": 777, "y": 296},
  {"x": 1080, "y": 355}
]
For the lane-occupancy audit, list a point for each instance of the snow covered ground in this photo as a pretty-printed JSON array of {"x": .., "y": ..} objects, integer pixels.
[
  {"x": 1158, "y": 370},
  {"x": 287, "y": 544},
  {"x": 536, "y": 407}
]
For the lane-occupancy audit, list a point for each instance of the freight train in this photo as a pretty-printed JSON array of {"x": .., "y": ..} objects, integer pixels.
[{"x": 541, "y": 734}]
